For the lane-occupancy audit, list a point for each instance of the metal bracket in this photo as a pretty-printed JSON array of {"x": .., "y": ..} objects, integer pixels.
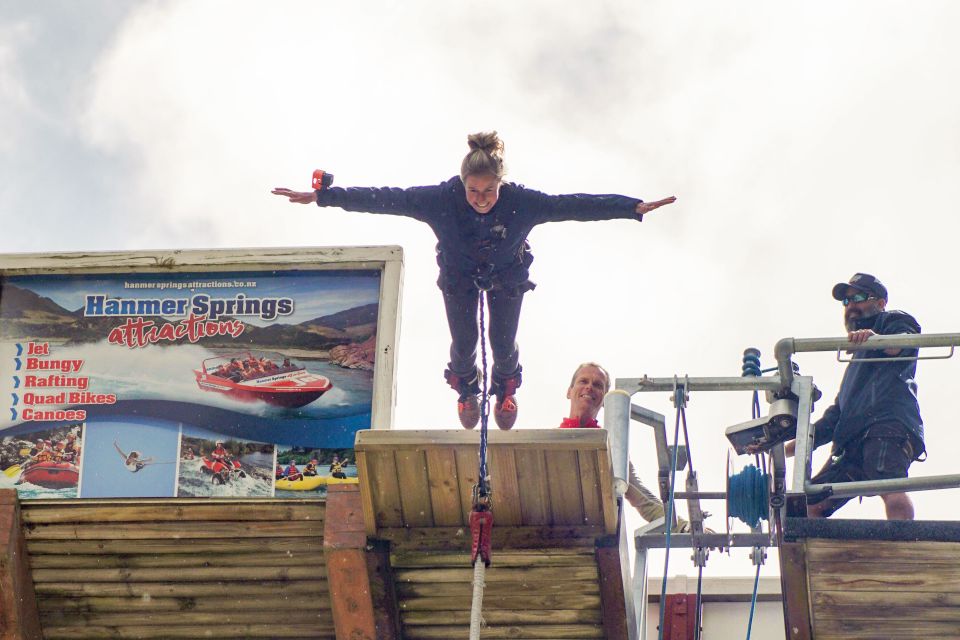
[
  {"x": 693, "y": 504},
  {"x": 681, "y": 391},
  {"x": 699, "y": 556}
]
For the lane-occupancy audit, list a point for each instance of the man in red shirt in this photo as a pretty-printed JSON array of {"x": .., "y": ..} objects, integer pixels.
[{"x": 588, "y": 387}]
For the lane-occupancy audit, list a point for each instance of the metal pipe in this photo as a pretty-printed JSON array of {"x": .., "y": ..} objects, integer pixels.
[
  {"x": 892, "y": 341},
  {"x": 714, "y": 540},
  {"x": 659, "y": 424},
  {"x": 877, "y": 487},
  {"x": 616, "y": 420},
  {"x": 803, "y": 449},
  {"x": 640, "y": 592},
  {"x": 786, "y": 347},
  {"x": 636, "y": 385},
  {"x": 782, "y": 351},
  {"x": 703, "y": 495}
]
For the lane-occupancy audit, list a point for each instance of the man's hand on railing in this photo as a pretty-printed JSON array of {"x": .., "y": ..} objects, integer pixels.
[{"x": 862, "y": 335}]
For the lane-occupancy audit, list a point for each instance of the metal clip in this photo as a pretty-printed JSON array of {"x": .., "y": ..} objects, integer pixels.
[
  {"x": 699, "y": 557},
  {"x": 681, "y": 392},
  {"x": 483, "y": 278}
]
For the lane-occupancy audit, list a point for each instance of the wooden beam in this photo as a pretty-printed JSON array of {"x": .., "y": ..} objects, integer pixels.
[
  {"x": 175, "y": 546},
  {"x": 175, "y": 530},
  {"x": 612, "y": 594},
  {"x": 796, "y": 597},
  {"x": 458, "y": 538},
  {"x": 382, "y": 590},
  {"x": 547, "y": 439},
  {"x": 189, "y": 631},
  {"x": 77, "y": 512},
  {"x": 317, "y": 587},
  {"x": 19, "y": 618},
  {"x": 354, "y": 597}
]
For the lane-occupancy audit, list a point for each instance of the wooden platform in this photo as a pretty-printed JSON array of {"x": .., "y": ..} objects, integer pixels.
[
  {"x": 871, "y": 580},
  {"x": 557, "y": 568},
  {"x": 539, "y": 477}
]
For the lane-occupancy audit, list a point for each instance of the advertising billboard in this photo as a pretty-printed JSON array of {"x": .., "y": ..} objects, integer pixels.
[{"x": 193, "y": 374}]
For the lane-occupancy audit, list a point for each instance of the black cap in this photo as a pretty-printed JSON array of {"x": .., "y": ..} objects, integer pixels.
[{"x": 863, "y": 282}]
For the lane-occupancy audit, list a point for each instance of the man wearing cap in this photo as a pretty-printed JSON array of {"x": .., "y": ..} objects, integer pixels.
[{"x": 874, "y": 423}]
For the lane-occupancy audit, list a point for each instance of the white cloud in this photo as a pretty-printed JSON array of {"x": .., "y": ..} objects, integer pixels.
[
  {"x": 804, "y": 144},
  {"x": 14, "y": 99}
]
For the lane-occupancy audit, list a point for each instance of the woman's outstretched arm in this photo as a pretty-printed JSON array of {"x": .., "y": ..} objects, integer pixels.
[
  {"x": 647, "y": 207},
  {"x": 421, "y": 203},
  {"x": 299, "y": 197}
]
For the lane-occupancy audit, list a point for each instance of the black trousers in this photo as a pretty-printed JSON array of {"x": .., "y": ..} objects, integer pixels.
[{"x": 502, "y": 316}]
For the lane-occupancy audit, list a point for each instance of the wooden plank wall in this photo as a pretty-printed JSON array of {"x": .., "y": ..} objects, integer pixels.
[
  {"x": 175, "y": 569},
  {"x": 551, "y": 592},
  {"x": 879, "y": 590},
  {"x": 19, "y": 619}
]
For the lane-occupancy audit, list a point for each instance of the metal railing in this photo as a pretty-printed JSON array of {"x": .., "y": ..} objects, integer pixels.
[
  {"x": 802, "y": 387},
  {"x": 618, "y": 412}
]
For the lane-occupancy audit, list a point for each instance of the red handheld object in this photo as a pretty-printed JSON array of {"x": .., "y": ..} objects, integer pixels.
[
  {"x": 481, "y": 528},
  {"x": 321, "y": 179}
]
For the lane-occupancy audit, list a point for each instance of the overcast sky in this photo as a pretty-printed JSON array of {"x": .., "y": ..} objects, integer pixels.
[{"x": 803, "y": 143}]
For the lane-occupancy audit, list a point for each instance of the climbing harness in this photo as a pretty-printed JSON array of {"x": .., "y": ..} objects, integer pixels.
[{"x": 481, "y": 517}]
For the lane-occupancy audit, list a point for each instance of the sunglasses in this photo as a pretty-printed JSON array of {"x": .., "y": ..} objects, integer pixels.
[{"x": 857, "y": 297}]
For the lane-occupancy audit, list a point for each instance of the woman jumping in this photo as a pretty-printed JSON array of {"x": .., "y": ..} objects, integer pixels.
[{"x": 481, "y": 224}]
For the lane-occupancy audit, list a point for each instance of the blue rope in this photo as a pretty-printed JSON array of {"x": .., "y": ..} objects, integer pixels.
[
  {"x": 698, "y": 613},
  {"x": 753, "y": 601},
  {"x": 747, "y": 491},
  {"x": 668, "y": 516},
  {"x": 747, "y": 496}
]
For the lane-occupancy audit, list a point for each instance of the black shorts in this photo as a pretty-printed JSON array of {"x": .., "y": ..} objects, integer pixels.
[{"x": 884, "y": 451}]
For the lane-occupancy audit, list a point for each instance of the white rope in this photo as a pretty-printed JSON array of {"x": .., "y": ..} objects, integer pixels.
[{"x": 476, "y": 620}]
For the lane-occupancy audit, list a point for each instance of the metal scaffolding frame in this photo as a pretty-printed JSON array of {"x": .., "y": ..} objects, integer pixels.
[{"x": 619, "y": 411}]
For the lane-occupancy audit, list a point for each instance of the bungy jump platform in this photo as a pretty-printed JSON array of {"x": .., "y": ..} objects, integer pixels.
[{"x": 390, "y": 558}]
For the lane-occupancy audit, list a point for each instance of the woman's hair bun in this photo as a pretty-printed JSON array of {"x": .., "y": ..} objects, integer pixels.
[
  {"x": 485, "y": 155},
  {"x": 487, "y": 141}
]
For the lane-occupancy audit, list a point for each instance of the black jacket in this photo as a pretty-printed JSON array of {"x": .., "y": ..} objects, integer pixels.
[
  {"x": 873, "y": 392},
  {"x": 491, "y": 246}
]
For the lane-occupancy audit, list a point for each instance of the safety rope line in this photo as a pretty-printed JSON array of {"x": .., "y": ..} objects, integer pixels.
[
  {"x": 481, "y": 517},
  {"x": 698, "y": 614},
  {"x": 679, "y": 400},
  {"x": 753, "y": 601},
  {"x": 484, "y": 401},
  {"x": 476, "y": 605},
  {"x": 738, "y": 497}
]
